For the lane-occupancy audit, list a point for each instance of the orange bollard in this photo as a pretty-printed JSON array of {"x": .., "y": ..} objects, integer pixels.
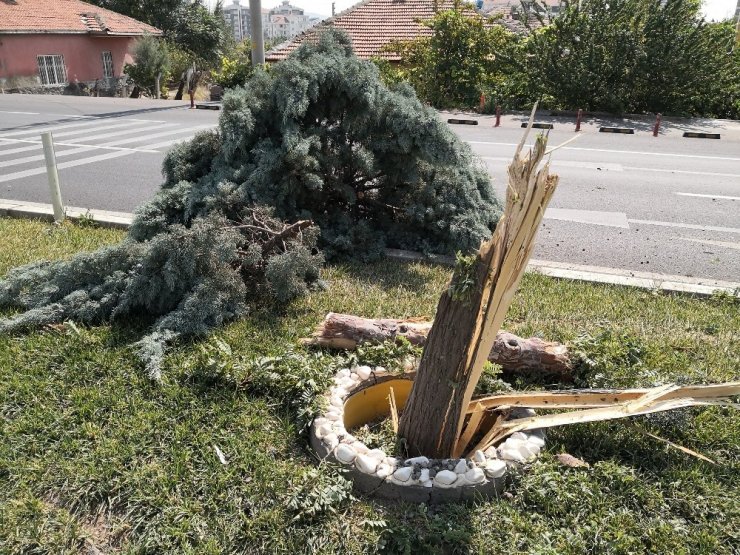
[
  {"x": 498, "y": 116},
  {"x": 658, "y": 119}
]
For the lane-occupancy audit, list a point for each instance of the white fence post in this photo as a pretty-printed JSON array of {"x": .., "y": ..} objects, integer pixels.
[{"x": 51, "y": 171}]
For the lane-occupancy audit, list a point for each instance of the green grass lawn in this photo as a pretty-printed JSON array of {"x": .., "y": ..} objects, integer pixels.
[{"x": 95, "y": 458}]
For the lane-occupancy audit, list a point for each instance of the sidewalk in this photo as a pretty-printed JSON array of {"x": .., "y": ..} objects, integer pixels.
[
  {"x": 593, "y": 274},
  {"x": 565, "y": 121}
]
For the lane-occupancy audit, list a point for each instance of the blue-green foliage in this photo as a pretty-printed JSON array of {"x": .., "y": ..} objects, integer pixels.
[
  {"x": 321, "y": 137},
  {"x": 317, "y": 138}
]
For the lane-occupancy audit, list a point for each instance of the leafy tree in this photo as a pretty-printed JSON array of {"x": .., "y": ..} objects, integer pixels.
[
  {"x": 236, "y": 67},
  {"x": 318, "y": 138},
  {"x": 151, "y": 63},
  {"x": 187, "y": 23},
  {"x": 634, "y": 56},
  {"x": 466, "y": 55}
]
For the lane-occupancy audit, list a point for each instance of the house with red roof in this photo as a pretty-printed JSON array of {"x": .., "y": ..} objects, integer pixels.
[
  {"x": 373, "y": 24},
  {"x": 54, "y": 42}
]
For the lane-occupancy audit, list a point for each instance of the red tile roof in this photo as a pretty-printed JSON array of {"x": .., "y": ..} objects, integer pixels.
[
  {"x": 67, "y": 17},
  {"x": 372, "y": 24}
]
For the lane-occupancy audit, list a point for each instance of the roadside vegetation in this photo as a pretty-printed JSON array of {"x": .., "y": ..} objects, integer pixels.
[
  {"x": 94, "y": 455},
  {"x": 616, "y": 56}
]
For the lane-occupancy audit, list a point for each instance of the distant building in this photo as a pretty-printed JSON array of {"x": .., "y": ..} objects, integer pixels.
[
  {"x": 280, "y": 23},
  {"x": 54, "y": 42}
]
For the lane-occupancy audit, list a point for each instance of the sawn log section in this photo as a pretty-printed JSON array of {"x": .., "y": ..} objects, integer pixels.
[{"x": 515, "y": 354}]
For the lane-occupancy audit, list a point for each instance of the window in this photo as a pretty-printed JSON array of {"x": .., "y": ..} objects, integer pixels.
[
  {"x": 107, "y": 64},
  {"x": 51, "y": 69}
]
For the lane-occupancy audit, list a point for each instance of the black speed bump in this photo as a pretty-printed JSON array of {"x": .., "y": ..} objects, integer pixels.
[
  {"x": 624, "y": 130},
  {"x": 463, "y": 121},
  {"x": 207, "y": 106},
  {"x": 539, "y": 125},
  {"x": 696, "y": 135}
]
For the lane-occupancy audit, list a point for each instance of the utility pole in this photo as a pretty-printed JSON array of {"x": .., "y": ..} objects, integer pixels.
[{"x": 258, "y": 39}]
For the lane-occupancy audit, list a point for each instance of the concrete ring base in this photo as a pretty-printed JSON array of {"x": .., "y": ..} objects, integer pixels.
[{"x": 359, "y": 395}]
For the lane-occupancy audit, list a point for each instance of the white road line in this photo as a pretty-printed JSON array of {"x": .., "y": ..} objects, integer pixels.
[
  {"x": 24, "y": 113},
  {"x": 52, "y": 128},
  {"x": 687, "y": 226},
  {"x": 58, "y": 153},
  {"x": 593, "y": 217},
  {"x": 726, "y": 244},
  {"x": 156, "y": 135},
  {"x": 557, "y": 163},
  {"x": 89, "y": 160},
  {"x": 630, "y": 168},
  {"x": 133, "y": 130},
  {"x": 35, "y": 146},
  {"x": 708, "y": 196},
  {"x": 73, "y": 144},
  {"x": 103, "y": 126},
  {"x": 87, "y": 148},
  {"x": 45, "y": 128},
  {"x": 614, "y": 151}
]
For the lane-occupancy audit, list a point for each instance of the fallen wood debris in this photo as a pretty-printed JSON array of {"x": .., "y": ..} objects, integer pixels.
[
  {"x": 514, "y": 354},
  {"x": 597, "y": 406}
]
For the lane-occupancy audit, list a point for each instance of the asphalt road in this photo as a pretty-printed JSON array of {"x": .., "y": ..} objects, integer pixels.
[{"x": 668, "y": 205}]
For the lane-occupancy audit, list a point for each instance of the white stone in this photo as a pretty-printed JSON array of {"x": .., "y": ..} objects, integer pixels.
[
  {"x": 461, "y": 467},
  {"x": 427, "y": 484},
  {"x": 523, "y": 447},
  {"x": 475, "y": 476},
  {"x": 366, "y": 464},
  {"x": 533, "y": 448},
  {"x": 391, "y": 461},
  {"x": 349, "y": 439},
  {"x": 333, "y": 414},
  {"x": 343, "y": 373},
  {"x": 364, "y": 372},
  {"x": 519, "y": 435},
  {"x": 339, "y": 392},
  {"x": 380, "y": 370},
  {"x": 331, "y": 441},
  {"x": 347, "y": 383},
  {"x": 383, "y": 471},
  {"x": 536, "y": 440},
  {"x": 479, "y": 457},
  {"x": 445, "y": 478},
  {"x": 512, "y": 455},
  {"x": 495, "y": 468},
  {"x": 355, "y": 376},
  {"x": 319, "y": 422},
  {"x": 323, "y": 430},
  {"x": 491, "y": 453},
  {"x": 345, "y": 454},
  {"x": 360, "y": 447},
  {"x": 337, "y": 401},
  {"x": 424, "y": 477},
  {"x": 423, "y": 461},
  {"x": 338, "y": 429},
  {"x": 403, "y": 474},
  {"x": 378, "y": 454}
]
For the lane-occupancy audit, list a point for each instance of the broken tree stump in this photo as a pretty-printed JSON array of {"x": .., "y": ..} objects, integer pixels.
[
  {"x": 470, "y": 312},
  {"x": 515, "y": 354}
]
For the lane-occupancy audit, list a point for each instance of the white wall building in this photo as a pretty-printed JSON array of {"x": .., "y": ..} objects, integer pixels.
[{"x": 280, "y": 23}]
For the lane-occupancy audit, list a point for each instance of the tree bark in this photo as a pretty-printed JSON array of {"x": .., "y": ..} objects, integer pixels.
[
  {"x": 515, "y": 354},
  {"x": 470, "y": 312}
]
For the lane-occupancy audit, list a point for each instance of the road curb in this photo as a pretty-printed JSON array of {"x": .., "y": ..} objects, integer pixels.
[
  {"x": 701, "y": 287},
  {"x": 592, "y": 274},
  {"x": 40, "y": 211}
]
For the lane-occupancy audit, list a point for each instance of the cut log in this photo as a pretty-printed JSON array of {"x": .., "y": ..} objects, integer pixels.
[{"x": 514, "y": 354}]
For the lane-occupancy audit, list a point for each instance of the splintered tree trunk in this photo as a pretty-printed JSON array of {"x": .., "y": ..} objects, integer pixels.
[{"x": 470, "y": 313}]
